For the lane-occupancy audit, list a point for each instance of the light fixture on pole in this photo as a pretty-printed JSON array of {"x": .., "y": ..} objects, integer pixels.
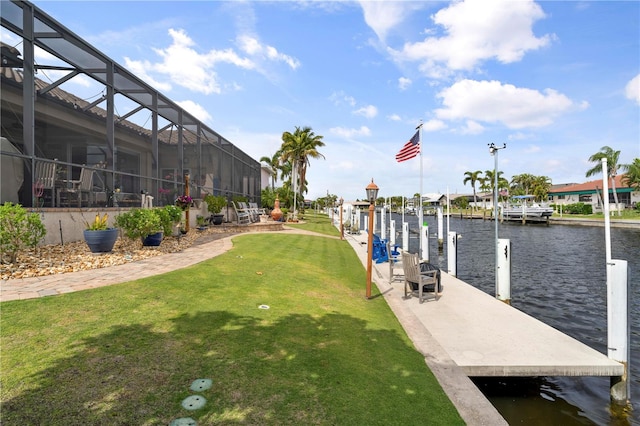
[
  {"x": 340, "y": 202},
  {"x": 228, "y": 202},
  {"x": 186, "y": 192},
  {"x": 493, "y": 150},
  {"x": 372, "y": 194}
]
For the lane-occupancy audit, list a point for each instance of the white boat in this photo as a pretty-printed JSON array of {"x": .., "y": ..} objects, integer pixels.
[{"x": 523, "y": 207}]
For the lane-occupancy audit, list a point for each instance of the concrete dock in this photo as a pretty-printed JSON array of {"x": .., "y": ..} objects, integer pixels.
[{"x": 486, "y": 337}]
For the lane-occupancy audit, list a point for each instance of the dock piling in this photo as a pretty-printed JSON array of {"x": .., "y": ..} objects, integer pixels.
[
  {"x": 405, "y": 236},
  {"x": 618, "y": 327},
  {"x": 504, "y": 270},
  {"x": 452, "y": 253}
]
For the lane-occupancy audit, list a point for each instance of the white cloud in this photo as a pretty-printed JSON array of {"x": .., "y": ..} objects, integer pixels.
[
  {"x": 434, "y": 125},
  {"x": 632, "y": 89},
  {"x": 404, "y": 83},
  {"x": 338, "y": 98},
  {"x": 532, "y": 149},
  {"x": 394, "y": 117},
  {"x": 188, "y": 68},
  {"x": 185, "y": 66},
  {"x": 368, "y": 111},
  {"x": 494, "y": 102},
  {"x": 252, "y": 47},
  {"x": 139, "y": 69},
  {"x": 197, "y": 110},
  {"x": 477, "y": 31},
  {"x": 350, "y": 133},
  {"x": 472, "y": 128},
  {"x": 383, "y": 16}
]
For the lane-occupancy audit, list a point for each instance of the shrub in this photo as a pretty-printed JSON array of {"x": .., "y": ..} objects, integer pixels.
[
  {"x": 169, "y": 215},
  {"x": 215, "y": 203},
  {"x": 578, "y": 208},
  {"x": 138, "y": 223},
  {"x": 19, "y": 229}
]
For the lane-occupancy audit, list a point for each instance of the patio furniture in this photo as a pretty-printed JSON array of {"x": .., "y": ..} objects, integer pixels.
[
  {"x": 75, "y": 189},
  {"x": 416, "y": 282},
  {"x": 45, "y": 178},
  {"x": 244, "y": 217},
  {"x": 395, "y": 260}
]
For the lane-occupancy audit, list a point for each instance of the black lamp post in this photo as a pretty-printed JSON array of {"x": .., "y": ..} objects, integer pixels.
[{"x": 372, "y": 194}]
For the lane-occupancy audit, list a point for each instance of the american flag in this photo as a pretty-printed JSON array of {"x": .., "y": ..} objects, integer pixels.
[{"x": 410, "y": 149}]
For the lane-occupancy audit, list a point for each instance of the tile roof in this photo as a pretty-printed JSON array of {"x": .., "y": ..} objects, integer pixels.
[{"x": 587, "y": 186}]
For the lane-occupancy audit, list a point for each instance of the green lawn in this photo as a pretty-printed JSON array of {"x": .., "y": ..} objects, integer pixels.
[{"x": 126, "y": 354}]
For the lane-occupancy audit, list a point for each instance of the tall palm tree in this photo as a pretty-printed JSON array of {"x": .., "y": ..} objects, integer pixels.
[
  {"x": 273, "y": 164},
  {"x": 297, "y": 148},
  {"x": 540, "y": 187},
  {"x": 484, "y": 187},
  {"x": 472, "y": 177},
  {"x": 632, "y": 175},
  {"x": 612, "y": 157},
  {"x": 522, "y": 184},
  {"x": 490, "y": 180}
]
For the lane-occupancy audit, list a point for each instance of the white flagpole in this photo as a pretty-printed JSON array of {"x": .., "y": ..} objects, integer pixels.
[{"x": 421, "y": 214}]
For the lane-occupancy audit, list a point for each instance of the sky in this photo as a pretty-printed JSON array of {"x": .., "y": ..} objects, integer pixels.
[{"x": 554, "y": 81}]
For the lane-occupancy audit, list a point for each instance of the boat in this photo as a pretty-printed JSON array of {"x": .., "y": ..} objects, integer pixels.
[{"x": 524, "y": 207}]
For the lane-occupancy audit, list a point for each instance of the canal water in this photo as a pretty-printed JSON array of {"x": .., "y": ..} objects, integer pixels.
[{"x": 557, "y": 276}]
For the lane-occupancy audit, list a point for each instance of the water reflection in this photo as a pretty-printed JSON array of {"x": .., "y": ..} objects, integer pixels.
[{"x": 558, "y": 276}]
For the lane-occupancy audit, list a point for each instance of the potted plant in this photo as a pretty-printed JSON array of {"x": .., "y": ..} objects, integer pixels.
[
  {"x": 184, "y": 201},
  {"x": 145, "y": 224},
  {"x": 99, "y": 236},
  {"x": 215, "y": 203},
  {"x": 201, "y": 222}
]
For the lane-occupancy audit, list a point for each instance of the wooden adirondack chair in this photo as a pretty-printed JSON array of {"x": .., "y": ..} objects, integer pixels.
[{"x": 417, "y": 283}]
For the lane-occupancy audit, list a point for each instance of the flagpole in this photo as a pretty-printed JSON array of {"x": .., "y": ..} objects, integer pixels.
[{"x": 421, "y": 214}]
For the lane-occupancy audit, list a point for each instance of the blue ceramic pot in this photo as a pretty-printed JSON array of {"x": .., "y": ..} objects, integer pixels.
[
  {"x": 152, "y": 240},
  {"x": 101, "y": 241}
]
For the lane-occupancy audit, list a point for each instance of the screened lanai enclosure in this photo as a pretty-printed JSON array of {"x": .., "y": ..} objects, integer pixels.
[{"x": 64, "y": 149}]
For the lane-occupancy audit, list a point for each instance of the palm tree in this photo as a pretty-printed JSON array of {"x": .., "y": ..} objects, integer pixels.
[
  {"x": 490, "y": 180},
  {"x": 297, "y": 148},
  {"x": 540, "y": 187},
  {"x": 632, "y": 175},
  {"x": 484, "y": 187},
  {"x": 273, "y": 164},
  {"x": 472, "y": 177},
  {"x": 612, "y": 157},
  {"x": 522, "y": 184}
]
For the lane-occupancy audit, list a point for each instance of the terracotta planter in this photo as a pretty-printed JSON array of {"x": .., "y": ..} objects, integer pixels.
[
  {"x": 101, "y": 241},
  {"x": 276, "y": 213}
]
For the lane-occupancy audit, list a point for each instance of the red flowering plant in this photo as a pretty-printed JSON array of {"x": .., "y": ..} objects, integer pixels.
[{"x": 184, "y": 201}]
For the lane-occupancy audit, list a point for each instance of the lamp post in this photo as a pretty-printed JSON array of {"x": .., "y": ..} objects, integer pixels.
[
  {"x": 186, "y": 192},
  {"x": 493, "y": 150},
  {"x": 372, "y": 194},
  {"x": 228, "y": 202},
  {"x": 341, "y": 225}
]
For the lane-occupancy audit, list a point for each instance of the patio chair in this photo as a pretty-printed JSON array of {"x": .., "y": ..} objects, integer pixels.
[
  {"x": 45, "y": 178},
  {"x": 242, "y": 215},
  {"x": 418, "y": 283},
  {"x": 78, "y": 188},
  {"x": 395, "y": 260}
]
